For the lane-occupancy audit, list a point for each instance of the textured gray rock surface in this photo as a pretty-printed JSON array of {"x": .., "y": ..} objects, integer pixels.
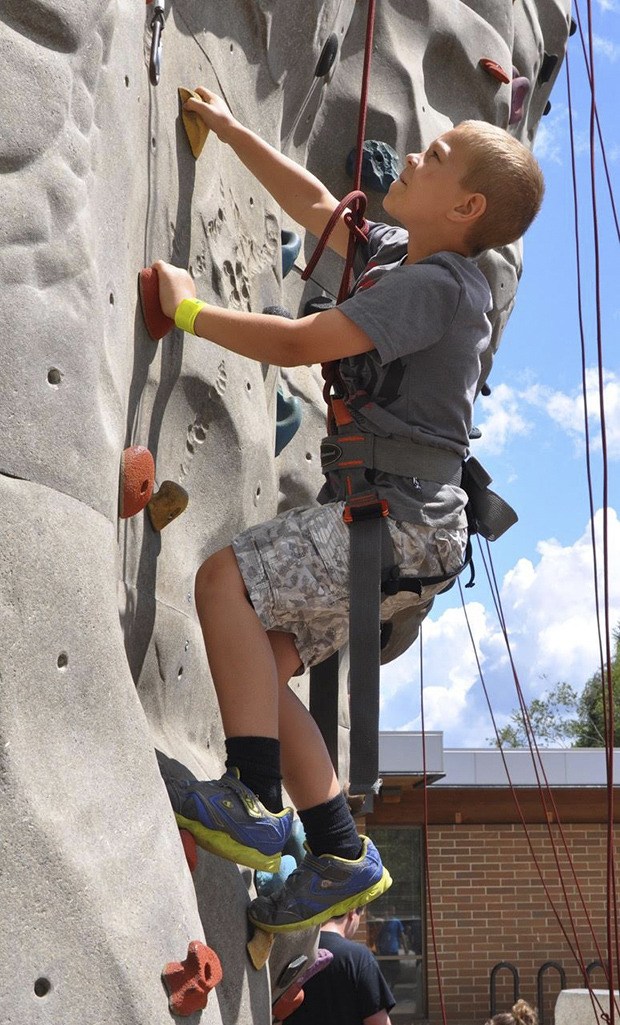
[{"x": 101, "y": 657}]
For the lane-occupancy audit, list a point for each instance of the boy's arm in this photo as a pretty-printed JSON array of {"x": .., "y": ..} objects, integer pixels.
[
  {"x": 317, "y": 338},
  {"x": 299, "y": 193}
]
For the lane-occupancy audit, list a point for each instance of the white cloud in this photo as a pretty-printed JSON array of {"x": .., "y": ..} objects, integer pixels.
[
  {"x": 506, "y": 414},
  {"x": 607, "y": 48},
  {"x": 607, "y": 5},
  {"x": 503, "y": 421},
  {"x": 567, "y": 410},
  {"x": 549, "y": 609},
  {"x": 550, "y": 143}
]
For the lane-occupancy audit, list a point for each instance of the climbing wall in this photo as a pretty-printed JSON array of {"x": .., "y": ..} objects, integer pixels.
[{"x": 101, "y": 658}]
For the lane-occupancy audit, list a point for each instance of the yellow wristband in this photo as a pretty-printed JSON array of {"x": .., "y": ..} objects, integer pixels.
[{"x": 186, "y": 313}]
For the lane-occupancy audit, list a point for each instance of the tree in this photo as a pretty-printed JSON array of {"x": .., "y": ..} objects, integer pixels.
[{"x": 565, "y": 718}]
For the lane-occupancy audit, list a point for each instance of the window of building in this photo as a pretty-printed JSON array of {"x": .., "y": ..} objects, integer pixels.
[{"x": 395, "y": 922}]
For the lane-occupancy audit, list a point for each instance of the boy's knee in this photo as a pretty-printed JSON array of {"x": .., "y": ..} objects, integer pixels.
[{"x": 220, "y": 571}]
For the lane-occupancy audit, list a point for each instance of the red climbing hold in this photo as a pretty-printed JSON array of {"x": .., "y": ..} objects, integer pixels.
[
  {"x": 137, "y": 478},
  {"x": 494, "y": 69},
  {"x": 190, "y": 848},
  {"x": 155, "y": 320},
  {"x": 288, "y": 1002},
  {"x": 189, "y": 982}
]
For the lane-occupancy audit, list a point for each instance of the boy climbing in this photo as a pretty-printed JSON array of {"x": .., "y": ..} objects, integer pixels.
[{"x": 410, "y": 339}]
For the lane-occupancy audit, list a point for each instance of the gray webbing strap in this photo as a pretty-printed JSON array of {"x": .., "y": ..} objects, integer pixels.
[
  {"x": 324, "y": 703},
  {"x": 365, "y": 654}
]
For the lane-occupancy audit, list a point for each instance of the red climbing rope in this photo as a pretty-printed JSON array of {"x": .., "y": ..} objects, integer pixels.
[
  {"x": 354, "y": 203},
  {"x": 598, "y": 125},
  {"x": 574, "y": 948}
]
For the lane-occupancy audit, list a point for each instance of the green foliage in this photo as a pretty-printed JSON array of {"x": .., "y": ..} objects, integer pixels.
[{"x": 565, "y": 718}]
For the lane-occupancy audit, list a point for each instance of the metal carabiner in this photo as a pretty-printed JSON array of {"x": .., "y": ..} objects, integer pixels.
[{"x": 157, "y": 27}]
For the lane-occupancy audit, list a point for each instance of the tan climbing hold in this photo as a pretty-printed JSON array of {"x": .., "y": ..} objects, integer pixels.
[
  {"x": 195, "y": 128},
  {"x": 259, "y": 948},
  {"x": 168, "y": 503}
]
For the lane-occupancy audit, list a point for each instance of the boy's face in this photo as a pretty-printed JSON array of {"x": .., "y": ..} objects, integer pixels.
[{"x": 429, "y": 186}]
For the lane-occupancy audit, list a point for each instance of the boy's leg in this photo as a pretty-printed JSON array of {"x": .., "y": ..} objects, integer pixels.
[{"x": 224, "y": 815}]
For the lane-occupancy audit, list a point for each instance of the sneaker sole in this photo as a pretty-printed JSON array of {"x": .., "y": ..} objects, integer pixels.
[
  {"x": 340, "y": 908},
  {"x": 224, "y": 846}
]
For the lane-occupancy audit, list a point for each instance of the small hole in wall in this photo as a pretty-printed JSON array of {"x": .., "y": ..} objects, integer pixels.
[
  {"x": 153, "y": 142},
  {"x": 111, "y": 298},
  {"x": 231, "y": 47},
  {"x": 258, "y": 491},
  {"x": 180, "y": 672},
  {"x": 248, "y": 385},
  {"x": 309, "y": 456},
  {"x": 251, "y": 201},
  {"x": 42, "y": 987},
  {"x": 63, "y": 660},
  {"x": 127, "y": 81},
  {"x": 144, "y": 486},
  {"x": 54, "y": 376}
]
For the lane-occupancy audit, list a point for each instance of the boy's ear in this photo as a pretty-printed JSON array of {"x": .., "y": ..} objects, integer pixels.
[{"x": 470, "y": 209}]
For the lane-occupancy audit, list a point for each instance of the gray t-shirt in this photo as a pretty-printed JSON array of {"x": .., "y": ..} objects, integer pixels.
[{"x": 428, "y": 323}]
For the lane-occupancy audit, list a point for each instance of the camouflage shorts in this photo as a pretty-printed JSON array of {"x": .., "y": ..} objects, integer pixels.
[{"x": 296, "y": 570}]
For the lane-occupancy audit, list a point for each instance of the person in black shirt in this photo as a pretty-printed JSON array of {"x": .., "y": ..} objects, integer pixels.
[{"x": 351, "y": 990}]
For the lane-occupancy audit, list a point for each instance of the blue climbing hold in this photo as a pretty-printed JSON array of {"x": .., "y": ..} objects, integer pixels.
[
  {"x": 295, "y": 843},
  {"x": 288, "y": 419},
  {"x": 291, "y": 245},
  {"x": 270, "y": 883},
  {"x": 380, "y": 165}
]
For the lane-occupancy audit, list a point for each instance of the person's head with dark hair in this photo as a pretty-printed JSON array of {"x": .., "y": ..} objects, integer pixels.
[{"x": 521, "y": 1014}]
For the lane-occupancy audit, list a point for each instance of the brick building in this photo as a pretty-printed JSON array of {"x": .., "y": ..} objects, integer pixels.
[{"x": 489, "y": 903}]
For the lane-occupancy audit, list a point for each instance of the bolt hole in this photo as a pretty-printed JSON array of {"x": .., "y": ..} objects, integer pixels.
[
  {"x": 248, "y": 385},
  {"x": 309, "y": 456},
  {"x": 251, "y": 201},
  {"x": 111, "y": 298},
  {"x": 127, "y": 81},
  {"x": 231, "y": 47},
  {"x": 258, "y": 491},
  {"x": 63, "y": 660},
  {"x": 144, "y": 486},
  {"x": 180, "y": 672},
  {"x": 42, "y": 987},
  {"x": 54, "y": 376},
  {"x": 153, "y": 142}
]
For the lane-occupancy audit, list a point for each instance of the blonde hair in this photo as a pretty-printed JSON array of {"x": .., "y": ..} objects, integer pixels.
[
  {"x": 521, "y": 1014},
  {"x": 508, "y": 176}
]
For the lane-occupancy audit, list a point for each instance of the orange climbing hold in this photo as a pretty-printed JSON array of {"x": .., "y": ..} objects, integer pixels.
[
  {"x": 189, "y": 982},
  {"x": 288, "y": 1002},
  {"x": 137, "y": 478},
  {"x": 495, "y": 70},
  {"x": 190, "y": 848},
  {"x": 155, "y": 320}
]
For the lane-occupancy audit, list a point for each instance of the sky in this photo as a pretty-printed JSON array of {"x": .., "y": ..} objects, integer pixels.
[{"x": 533, "y": 445}]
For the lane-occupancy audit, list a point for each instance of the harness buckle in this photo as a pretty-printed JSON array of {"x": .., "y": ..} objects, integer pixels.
[{"x": 365, "y": 507}]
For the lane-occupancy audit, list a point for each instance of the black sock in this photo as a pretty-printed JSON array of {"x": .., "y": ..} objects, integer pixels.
[
  {"x": 258, "y": 761},
  {"x": 330, "y": 829}
]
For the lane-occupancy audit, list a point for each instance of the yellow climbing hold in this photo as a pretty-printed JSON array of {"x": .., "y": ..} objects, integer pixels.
[
  {"x": 195, "y": 128},
  {"x": 259, "y": 948}
]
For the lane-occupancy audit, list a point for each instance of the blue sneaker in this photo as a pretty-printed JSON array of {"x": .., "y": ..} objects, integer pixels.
[
  {"x": 321, "y": 888},
  {"x": 227, "y": 819}
]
